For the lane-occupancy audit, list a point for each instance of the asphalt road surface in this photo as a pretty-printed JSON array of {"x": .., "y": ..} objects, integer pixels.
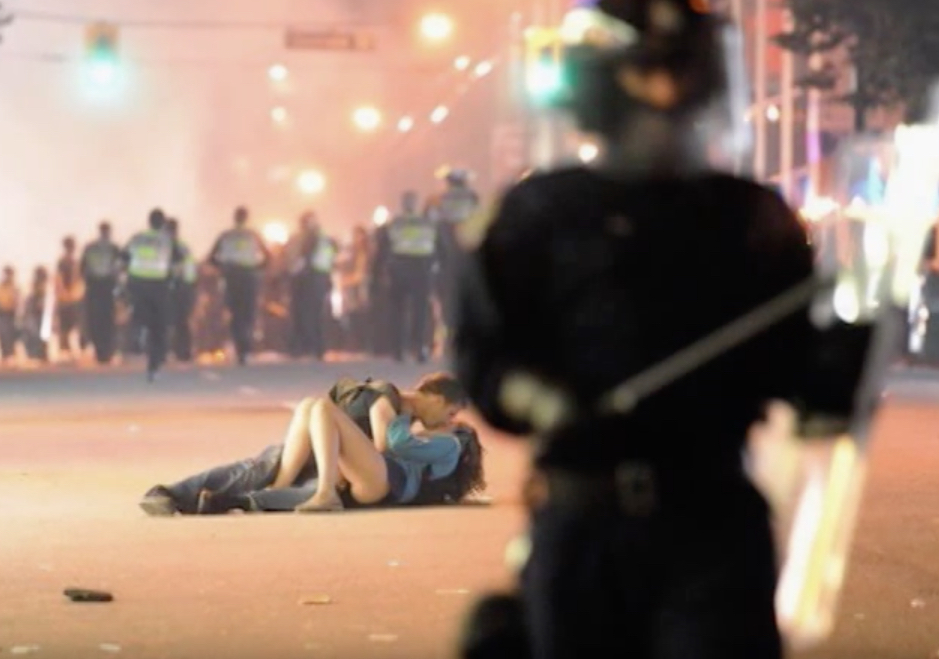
[{"x": 77, "y": 449}]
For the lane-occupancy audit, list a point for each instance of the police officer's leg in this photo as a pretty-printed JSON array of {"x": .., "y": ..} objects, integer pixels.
[
  {"x": 159, "y": 321},
  {"x": 183, "y": 325},
  {"x": 719, "y": 600},
  {"x": 107, "y": 323},
  {"x": 252, "y": 288},
  {"x": 233, "y": 304},
  {"x": 583, "y": 598},
  {"x": 398, "y": 314},
  {"x": 316, "y": 315},
  {"x": 297, "y": 339},
  {"x": 420, "y": 315}
]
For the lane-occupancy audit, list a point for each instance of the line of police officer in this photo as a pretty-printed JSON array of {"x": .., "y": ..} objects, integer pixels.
[{"x": 416, "y": 253}]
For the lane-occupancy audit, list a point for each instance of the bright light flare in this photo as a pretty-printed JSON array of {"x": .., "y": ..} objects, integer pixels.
[
  {"x": 483, "y": 69},
  {"x": 440, "y": 113},
  {"x": 436, "y": 27},
  {"x": 277, "y": 73},
  {"x": 311, "y": 182},
  {"x": 462, "y": 63},
  {"x": 773, "y": 113},
  {"x": 276, "y": 233},
  {"x": 588, "y": 152},
  {"x": 381, "y": 216},
  {"x": 367, "y": 118},
  {"x": 279, "y": 115},
  {"x": 405, "y": 124}
]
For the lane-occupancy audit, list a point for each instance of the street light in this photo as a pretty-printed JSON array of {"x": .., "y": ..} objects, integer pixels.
[
  {"x": 311, "y": 182},
  {"x": 279, "y": 115},
  {"x": 440, "y": 113},
  {"x": 773, "y": 113},
  {"x": 276, "y": 233},
  {"x": 381, "y": 216},
  {"x": 483, "y": 69},
  {"x": 367, "y": 118},
  {"x": 277, "y": 73},
  {"x": 588, "y": 152},
  {"x": 436, "y": 27},
  {"x": 405, "y": 124}
]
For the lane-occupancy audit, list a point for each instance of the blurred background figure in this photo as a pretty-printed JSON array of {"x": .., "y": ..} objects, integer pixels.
[
  {"x": 69, "y": 294},
  {"x": 312, "y": 257},
  {"x": 35, "y": 310},
  {"x": 9, "y": 306},
  {"x": 407, "y": 251},
  {"x": 210, "y": 316},
  {"x": 151, "y": 256},
  {"x": 452, "y": 207},
  {"x": 353, "y": 276},
  {"x": 182, "y": 296},
  {"x": 240, "y": 254},
  {"x": 101, "y": 268}
]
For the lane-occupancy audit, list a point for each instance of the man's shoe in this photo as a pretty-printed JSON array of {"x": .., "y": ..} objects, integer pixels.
[{"x": 159, "y": 502}]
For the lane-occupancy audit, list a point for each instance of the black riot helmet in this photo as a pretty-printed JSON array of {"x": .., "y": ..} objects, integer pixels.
[{"x": 664, "y": 62}]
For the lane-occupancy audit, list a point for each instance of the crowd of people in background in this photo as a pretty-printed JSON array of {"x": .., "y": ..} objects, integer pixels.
[{"x": 381, "y": 292}]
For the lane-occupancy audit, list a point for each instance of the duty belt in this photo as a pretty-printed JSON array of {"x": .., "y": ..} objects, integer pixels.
[{"x": 632, "y": 487}]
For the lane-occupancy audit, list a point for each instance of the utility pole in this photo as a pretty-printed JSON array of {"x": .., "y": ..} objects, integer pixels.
[
  {"x": 761, "y": 39},
  {"x": 788, "y": 117}
]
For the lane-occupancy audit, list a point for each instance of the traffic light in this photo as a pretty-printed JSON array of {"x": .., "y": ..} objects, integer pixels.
[
  {"x": 101, "y": 54},
  {"x": 544, "y": 66}
]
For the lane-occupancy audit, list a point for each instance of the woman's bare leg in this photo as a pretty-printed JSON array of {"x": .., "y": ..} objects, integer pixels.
[
  {"x": 341, "y": 449},
  {"x": 296, "y": 446}
]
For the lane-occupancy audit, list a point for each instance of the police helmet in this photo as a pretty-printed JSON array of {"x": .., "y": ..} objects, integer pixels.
[
  {"x": 455, "y": 175},
  {"x": 606, "y": 40}
]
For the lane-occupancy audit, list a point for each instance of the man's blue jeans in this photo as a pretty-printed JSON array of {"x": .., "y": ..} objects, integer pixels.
[{"x": 242, "y": 485}]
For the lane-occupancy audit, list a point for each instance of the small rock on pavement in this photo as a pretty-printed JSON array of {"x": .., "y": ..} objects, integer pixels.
[
  {"x": 383, "y": 638},
  {"x": 110, "y": 647},
  {"x": 918, "y": 603},
  {"x": 314, "y": 600},
  {"x": 24, "y": 649}
]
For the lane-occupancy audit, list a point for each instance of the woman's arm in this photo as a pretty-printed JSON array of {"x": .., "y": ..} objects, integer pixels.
[
  {"x": 440, "y": 452},
  {"x": 380, "y": 416}
]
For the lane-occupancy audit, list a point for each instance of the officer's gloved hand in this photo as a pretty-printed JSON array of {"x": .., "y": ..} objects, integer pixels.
[{"x": 533, "y": 400}]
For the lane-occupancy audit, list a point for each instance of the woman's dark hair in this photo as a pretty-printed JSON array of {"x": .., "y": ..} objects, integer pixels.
[{"x": 466, "y": 479}]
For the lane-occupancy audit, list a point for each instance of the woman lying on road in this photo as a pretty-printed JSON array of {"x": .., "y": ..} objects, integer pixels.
[
  {"x": 446, "y": 462},
  {"x": 249, "y": 484}
]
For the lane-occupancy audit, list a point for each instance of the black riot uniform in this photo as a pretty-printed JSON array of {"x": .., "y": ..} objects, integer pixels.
[
  {"x": 101, "y": 268},
  {"x": 151, "y": 256},
  {"x": 651, "y": 541},
  {"x": 407, "y": 250},
  {"x": 182, "y": 296},
  {"x": 241, "y": 254}
]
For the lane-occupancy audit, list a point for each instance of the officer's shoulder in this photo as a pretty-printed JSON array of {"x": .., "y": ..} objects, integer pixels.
[
  {"x": 737, "y": 189},
  {"x": 524, "y": 204}
]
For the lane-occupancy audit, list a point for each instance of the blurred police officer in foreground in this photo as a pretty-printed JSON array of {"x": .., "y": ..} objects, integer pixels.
[
  {"x": 648, "y": 539},
  {"x": 183, "y": 296},
  {"x": 240, "y": 254},
  {"x": 151, "y": 256},
  {"x": 101, "y": 267},
  {"x": 407, "y": 251}
]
